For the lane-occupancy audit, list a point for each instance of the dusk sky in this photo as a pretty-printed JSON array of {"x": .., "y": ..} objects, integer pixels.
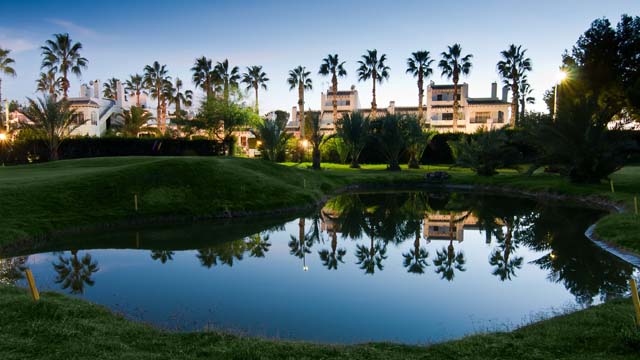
[{"x": 119, "y": 39}]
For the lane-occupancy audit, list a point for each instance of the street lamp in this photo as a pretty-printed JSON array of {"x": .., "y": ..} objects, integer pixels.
[{"x": 562, "y": 75}]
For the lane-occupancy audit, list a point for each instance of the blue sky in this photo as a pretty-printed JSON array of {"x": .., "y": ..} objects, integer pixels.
[{"x": 119, "y": 39}]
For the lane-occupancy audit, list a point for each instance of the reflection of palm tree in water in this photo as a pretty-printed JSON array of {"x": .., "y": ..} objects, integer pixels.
[
  {"x": 416, "y": 259},
  {"x": 258, "y": 245},
  {"x": 330, "y": 259},
  {"x": 224, "y": 253},
  {"x": 301, "y": 246},
  {"x": 74, "y": 272},
  {"x": 447, "y": 260},
  {"x": 162, "y": 255},
  {"x": 11, "y": 270},
  {"x": 505, "y": 265},
  {"x": 371, "y": 258}
]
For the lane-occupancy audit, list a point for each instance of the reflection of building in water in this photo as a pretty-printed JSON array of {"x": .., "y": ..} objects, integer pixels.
[
  {"x": 448, "y": 226},
  {"x": 329, "y": 223}
]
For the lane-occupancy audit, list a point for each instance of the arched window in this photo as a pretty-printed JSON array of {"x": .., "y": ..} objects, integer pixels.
[{"x": 94, "y": 118}]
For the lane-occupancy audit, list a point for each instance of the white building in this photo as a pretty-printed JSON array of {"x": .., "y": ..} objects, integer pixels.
[
  {"x": 474, "y": 113},
  {"x": 93, "y": 112}
]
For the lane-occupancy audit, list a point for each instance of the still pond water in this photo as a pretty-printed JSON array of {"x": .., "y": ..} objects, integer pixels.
[{"x": 410, "y": 267}]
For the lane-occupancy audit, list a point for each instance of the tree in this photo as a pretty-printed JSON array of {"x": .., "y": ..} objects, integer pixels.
[
  {"x": 62, "y": 55},
  {"x": 110, "y": 89},
  {"x": 373, "y": 67},
  {"x": 390, "y": 135},
  {"x": 353, "y": 129},
  {"x": 228, "y": 76},
  {"x": 5, "y": 69},
  {"x": 419, "y": 66},
  {"x": 54, "y": 118},
  {"x": 416, "y": 259},
  {"x": 331, "y": 258},
  {"x": 274, "y": 138},
  {"x": 526, "y": 97},
  {"x": 258, "y": 245},
  {"x": 417, "y": 140},
  {"x": 331, "y": 65},
  {"x": 134, "y": 118},
  {"x": 316, "y": 138},
  {"x": 484, "y": 152},
  {"x": 453, "y": 64},
  {"x": 371, "y": 258},
  {"x": 179, "y": 98},
  {"x": 512, "y": 68},
  {"x": 255, "y": 79},
  {"x": 204, "y": 75},
  {"x": 447, "y": 261},
  {"x": 155, "y": 79},
  {"x": 299, "y": 78},
  {"x": 162, "y": 255},
  {"x": 49, "y": 84},
  {"x": 136, "y": 87}
]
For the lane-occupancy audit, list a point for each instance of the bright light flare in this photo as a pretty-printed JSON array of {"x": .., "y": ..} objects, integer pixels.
[
  {"x": 305, "y": 143},
  {"x": 3, "y": 137},
  {"x": 562, "y": 75}
]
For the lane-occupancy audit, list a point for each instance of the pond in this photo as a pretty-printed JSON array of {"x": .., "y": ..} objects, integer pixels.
[{"x": 409, "y": 267}]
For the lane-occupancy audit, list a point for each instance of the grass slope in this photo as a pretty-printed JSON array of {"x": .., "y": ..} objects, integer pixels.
[{"x": 59, "y": 327}]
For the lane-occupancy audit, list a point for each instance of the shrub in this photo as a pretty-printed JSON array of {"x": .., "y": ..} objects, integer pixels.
[{"x": 485, "y": 152}]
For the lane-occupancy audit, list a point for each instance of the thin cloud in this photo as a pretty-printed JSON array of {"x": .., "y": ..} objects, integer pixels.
[
  {"x": 75, "y": 29},
  {"x": 16, "y": 43}
]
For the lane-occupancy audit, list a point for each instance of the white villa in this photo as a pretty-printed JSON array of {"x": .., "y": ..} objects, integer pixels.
[
  {"x": 474, "y": 113},
  {"x": 94, "y": 113}
]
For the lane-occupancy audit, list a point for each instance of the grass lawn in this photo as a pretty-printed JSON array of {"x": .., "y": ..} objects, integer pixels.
[{"x": 39, "y": 199}]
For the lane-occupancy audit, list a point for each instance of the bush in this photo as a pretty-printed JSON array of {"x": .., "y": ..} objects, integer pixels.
[{"x": 485, "y": 152}]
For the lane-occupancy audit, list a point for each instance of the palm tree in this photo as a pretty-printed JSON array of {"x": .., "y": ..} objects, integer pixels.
[
  {"x": 299, "y": 77},
  {"x": 258, "y": 245},
  {"x": 416, "y": 259},
  {"x": 255, "y": 79},
  {"x": 5, "y": 69},
  {"x": 162, "y": 255},
  {"x": 155, "y": 79},
  {"x": 179, "y": 98},
  {"x": 419, "y": 66},
  {"x": 134, "y": 119},
  {"x": 417, "y": 140},
  {"x": 374, "y": 68},
  {"x": 110, "y": 89},
  {"x": 62, "y": 55},
  {"x": 54, "y": 118},
  {"x": 332, "y": 66},
  {"x": 453, "y": 64},
  {"x": 353, "y": 129},
  {"x": 331, "y": 259},
  {"x": 135, "y": 86},
  {"x": 274, "y": 138},
  {"x": 228, "y": 76},
  {"x": 391, "y": 136},
  {"x": 512, "y": 67},
  {"x": 204, "y": 75},
  {"x": 74, "y": 273},
  {"x": 371, "y": 258},
  {"x": 525, "y": 95},
  {"x": 49, "y": 84}
]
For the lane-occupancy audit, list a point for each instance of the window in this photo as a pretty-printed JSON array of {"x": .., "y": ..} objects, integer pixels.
[
  {"x": 482, "y": 117},
  {"x": 439, "y": 97},
  {"x": 94, "y": 118},
  {"x": 500, "y": 116},
  {"x": 78, "y": 118},
  {"x": 447, "y": 116}
]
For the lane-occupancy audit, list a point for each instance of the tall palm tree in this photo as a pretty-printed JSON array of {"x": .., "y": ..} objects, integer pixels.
[
  {"x": 135, "y": 86},
  {"x": 454, "y": 64},
  {"x": 299, "y": 78},
  {"x": 512, "y": 67},
  {"x": 48, "y": 83},
  {"x": 62, "y": 55},
  {"x": 331, "y": 65},
  {"x": 419, "y": 66},
  {"x": 526, "y": 97},
  {"x": 229, "y": 76},
  {"x": 255, "y": 79},
  {"x": 110, "y": 89},
  {"x": 5, "y": 69},
  {"x": 204, "y": 75},
  {"x": 374, "y": 68},
  {"x": 155, "y": 79},
  {"x": 134, "y": 119},
  {"x": 179, "y": 98}
]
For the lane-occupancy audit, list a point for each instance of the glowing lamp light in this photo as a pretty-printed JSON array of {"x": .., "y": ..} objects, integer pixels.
[
  {"x": 3, "y": 137},
  {"x": 305, "y": 268},
  {"x": 305, "y": 143},
  {"x": 259, "y": 143}
]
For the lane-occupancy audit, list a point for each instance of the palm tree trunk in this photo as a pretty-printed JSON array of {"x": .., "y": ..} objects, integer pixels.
[
  {"x": 301, "y": 230},
  {"x": 354, "y": 158},
  {"x": 1, "y": 112},
  {"x": 374, "y": 107},
  {"x": 159, "y": 111},
  {"x": 514, "y": 104},
  {"x": 226, "y": 91},
  {"x": 138, "y": 98},
  {"x": 65, "y": 85},
  {"x": 455, "y": 103},
  {"x": 255, "y": 86},
  {"x": 334, "y": 82},
  {"x": 301, "y": 105},
  {"x": 316, "y": 156},
  {"x": 420, "y": 95}
]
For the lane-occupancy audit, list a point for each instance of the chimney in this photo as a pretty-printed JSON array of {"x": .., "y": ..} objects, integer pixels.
[
  {"x": 494, "y": 90},
  {"x": 505, "y": 93},
  {"x": 84, "y": 90},
  {"x": 96, "y": 89},
  {"x": 120, "y": 93}
]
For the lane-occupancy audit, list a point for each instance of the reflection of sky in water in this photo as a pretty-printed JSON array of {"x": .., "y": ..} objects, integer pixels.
[{"x": 274, "y": 297}]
